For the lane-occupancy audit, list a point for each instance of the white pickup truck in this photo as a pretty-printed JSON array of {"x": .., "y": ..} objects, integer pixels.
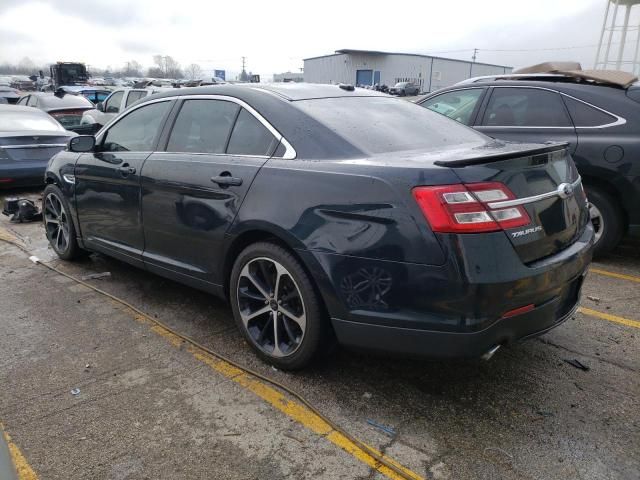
[{"x": 115, "y": 103}]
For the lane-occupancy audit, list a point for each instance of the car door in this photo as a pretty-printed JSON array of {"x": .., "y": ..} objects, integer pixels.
[
  {"x": 461, "y": 105},
  {"x": 193, "y": 190},
  {"x": 526, "y": 114},
  {"x": 107, "y": 192}
]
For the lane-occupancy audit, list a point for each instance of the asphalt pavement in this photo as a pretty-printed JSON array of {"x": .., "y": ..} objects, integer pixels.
[{"x": 92, "y": 390}]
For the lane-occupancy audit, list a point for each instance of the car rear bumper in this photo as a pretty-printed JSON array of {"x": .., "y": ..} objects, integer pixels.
[
  {"x": 31, "y": 173},
  {"x": 454, "y": 310}
]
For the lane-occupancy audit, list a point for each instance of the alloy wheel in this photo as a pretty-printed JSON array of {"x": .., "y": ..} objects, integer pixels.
[
  {"x": 597, "y": 221},
  {"x": 271, "y": 307},
  {"x": 56, "y": 222}
]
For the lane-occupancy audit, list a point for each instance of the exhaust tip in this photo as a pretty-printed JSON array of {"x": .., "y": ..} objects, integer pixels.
[{"x": 487, "y": 355}]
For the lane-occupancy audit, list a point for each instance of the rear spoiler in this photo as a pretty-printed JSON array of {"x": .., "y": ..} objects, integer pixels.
[{"x": 503, "y": 155}]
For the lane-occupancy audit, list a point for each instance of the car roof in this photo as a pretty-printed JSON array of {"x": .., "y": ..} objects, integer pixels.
[
  {"x": 567, "y": 87},
  {"x": 286, "y": 91},
  {"x": 50, "y": 100}
]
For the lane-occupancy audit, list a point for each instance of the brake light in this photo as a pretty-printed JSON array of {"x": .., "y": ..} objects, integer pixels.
[
  {"x": 64, "y": 113},
  {"x": 464, "y": 208}
]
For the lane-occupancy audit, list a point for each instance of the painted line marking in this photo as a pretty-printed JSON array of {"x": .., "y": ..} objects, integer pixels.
[
  {"x": 609, "y": 317},
  {"x": 621, "y": 276},
  {"x": 24, "y": 470},
  {"x": 291, "y": 408}
]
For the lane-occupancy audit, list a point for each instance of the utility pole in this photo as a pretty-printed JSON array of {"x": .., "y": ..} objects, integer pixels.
[
  {"x": 243, "y": 62},
  {"x": 475, "y": 55}
]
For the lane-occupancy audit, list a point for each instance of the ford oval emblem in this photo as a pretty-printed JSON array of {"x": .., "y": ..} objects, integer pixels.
[{"x": 565, "y": 190}]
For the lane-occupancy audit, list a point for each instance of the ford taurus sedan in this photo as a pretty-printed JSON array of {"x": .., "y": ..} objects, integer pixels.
[{"x": 325, "y": 212}]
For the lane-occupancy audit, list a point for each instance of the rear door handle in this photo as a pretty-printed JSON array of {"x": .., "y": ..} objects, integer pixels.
[{"x": 227, "y": 180}]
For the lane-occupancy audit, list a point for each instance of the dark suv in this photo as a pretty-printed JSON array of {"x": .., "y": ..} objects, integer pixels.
[{"x": 600, "y": 122}]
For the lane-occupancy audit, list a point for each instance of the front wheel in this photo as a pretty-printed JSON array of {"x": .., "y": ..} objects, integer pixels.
[
  {"x": 276, "y": 306},
  {"x": 607, "y": 220},
  {"x": 58, "y": 224}
]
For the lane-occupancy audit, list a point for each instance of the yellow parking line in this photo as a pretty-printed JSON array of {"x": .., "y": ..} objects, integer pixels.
[
  {"x": 294, "y": 410},
  {"x": 25, "y": 472},
  {"x": 621, "y": 276},
  {"x": 609, "y": 317}
]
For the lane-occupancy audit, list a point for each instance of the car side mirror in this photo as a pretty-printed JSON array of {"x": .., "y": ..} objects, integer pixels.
[
  {"x": 100, "y": 107},
  {"x": 82, "y": 144}
]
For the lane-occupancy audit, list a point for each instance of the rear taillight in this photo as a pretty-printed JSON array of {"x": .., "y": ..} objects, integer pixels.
[
  {"x": 65, "y": 113},
  {"x": 464, "y": 208}
]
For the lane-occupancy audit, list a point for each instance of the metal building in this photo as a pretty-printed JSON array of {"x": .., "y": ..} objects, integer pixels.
[
  {"x": 618, "y": 32},
  {"x": 365, "y": 67}
]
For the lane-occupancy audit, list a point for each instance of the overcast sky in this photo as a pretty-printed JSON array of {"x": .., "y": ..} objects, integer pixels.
[{"x": 276, "y": 35}]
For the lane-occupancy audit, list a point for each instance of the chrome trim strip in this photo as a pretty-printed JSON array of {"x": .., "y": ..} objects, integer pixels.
[
  {"x": 619, "y": 120},
  {"x": 69, "y": 178},
  {"x": 34, "y": 145},
  {"x": 559, "y": 192}
]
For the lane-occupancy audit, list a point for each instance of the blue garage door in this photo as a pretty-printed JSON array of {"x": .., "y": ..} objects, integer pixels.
[{"x": 364, "y": 77}]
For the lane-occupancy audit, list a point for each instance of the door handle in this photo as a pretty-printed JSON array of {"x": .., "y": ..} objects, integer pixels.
[
  {"x": 126, "y": 170},
  {"x": 227, "y": 180}
]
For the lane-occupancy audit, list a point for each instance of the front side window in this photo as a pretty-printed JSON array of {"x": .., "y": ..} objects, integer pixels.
[
  {"x": 113, "y": 103},
  {"x": 134, "y": 96},
  {"x": 136, "y": 132},
  {"x": 458, "y": 105},
  {"x": 202, "y": 126},
  {"x": 250, "y": 137},
  {"x": 525, "y": 107}
]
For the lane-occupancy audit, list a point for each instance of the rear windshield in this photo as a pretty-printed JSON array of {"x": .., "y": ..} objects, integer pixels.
[
  {"x": 384, "y": 124},
  {"x": 18, "y": 121}
]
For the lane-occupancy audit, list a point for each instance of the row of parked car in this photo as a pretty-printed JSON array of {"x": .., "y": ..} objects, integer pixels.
[{"x": 412, "y": 233}]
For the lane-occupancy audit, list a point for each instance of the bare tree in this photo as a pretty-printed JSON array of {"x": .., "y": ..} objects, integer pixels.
[
  {"x": 169, "y": 67},
  {"x": 194, "y": 72}
]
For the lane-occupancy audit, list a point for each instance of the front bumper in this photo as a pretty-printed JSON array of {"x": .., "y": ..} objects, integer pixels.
[{"x": 453, "y": 310}]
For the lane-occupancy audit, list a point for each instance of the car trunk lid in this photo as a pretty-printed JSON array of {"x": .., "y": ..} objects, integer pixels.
[
  {"x": 544, "y": 182},
  {"x": 32, "y": 146}
]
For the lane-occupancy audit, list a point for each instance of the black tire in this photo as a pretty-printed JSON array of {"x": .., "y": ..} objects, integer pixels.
[
  {"x": 56, "y": 208},
  {"x": 610, "y": 224},
  {"x": 247, "y": 298}
]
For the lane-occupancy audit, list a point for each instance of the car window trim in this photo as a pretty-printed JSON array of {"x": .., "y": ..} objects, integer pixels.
[
  {"x": 289, "y": 154},
  {"x": 619, "y": 120}
]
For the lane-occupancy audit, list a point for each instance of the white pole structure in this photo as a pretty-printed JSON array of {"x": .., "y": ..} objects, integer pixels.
[
  {"x": 636, "y": 58},
  {"x": 612, "y": 28},
  {"x": 604, "y": 24},
  {"x": 623, "y": 38}
]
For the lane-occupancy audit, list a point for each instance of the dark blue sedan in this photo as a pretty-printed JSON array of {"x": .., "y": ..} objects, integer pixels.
[{"x": 325, "y": 212}]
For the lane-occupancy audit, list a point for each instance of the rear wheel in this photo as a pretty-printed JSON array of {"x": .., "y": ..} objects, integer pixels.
[
  {"x": 607, "y": 220},
  {"x": 276, "y": 307},
  {"x": 58, "y": 224}
]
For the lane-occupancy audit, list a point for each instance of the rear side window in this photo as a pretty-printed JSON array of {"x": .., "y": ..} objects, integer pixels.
[
  {"x": 202, "y": 126},
  {"x": 458, "y": 105},
  {"x": 33, "y": 101},
  {"x": 250, "y": 137},
  {"x": 134, "y": 96},
  {"x": 584, "y": 115},
  {"x": 137, "y": 131},
  {"x": 525, "y": 107}
]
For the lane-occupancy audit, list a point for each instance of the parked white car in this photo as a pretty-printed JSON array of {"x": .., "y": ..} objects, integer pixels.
[{"x": 115, "y": 103}]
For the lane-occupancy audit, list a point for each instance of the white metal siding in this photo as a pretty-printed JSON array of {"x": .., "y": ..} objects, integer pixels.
[{"x": 429, "y": 72}]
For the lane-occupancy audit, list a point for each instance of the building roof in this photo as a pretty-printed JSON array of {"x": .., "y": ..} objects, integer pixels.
[{"x": 347, "y": 51}]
